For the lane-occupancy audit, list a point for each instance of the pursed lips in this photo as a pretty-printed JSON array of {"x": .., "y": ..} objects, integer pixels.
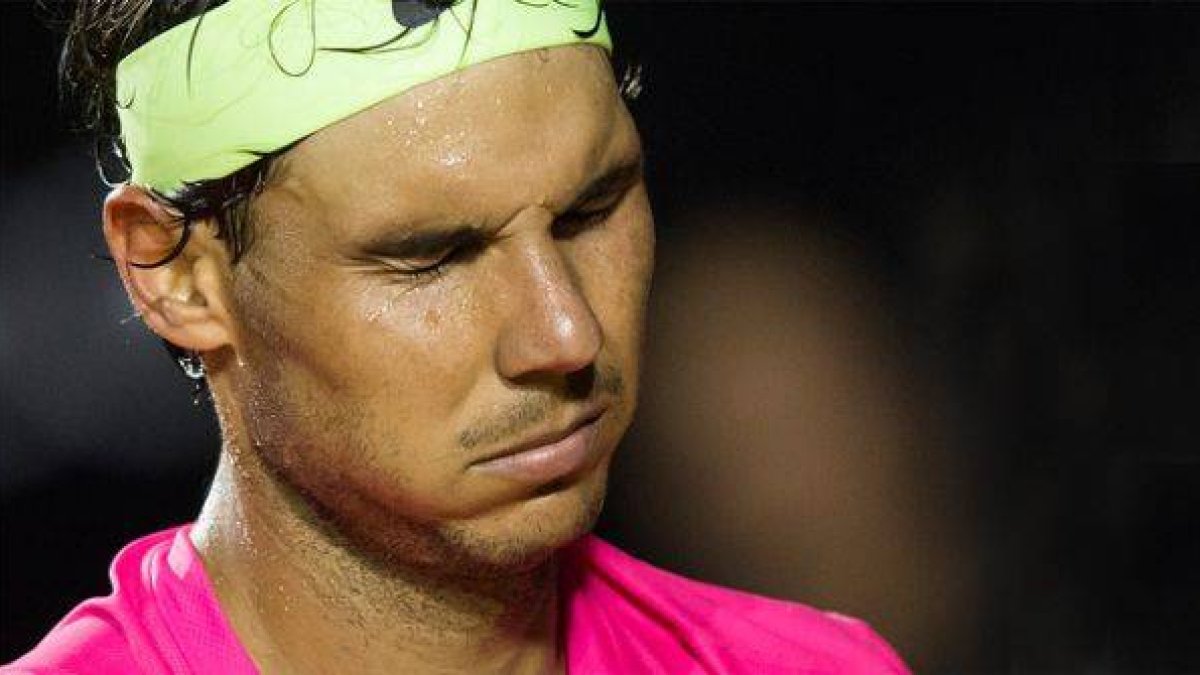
[{"x": 591, "y": 414}]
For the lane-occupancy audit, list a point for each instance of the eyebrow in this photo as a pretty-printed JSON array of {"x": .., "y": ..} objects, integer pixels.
[{"x": 428, "y": 243}]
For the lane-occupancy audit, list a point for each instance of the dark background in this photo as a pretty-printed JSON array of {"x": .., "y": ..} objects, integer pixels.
[{"x": 1022, "y": 180}]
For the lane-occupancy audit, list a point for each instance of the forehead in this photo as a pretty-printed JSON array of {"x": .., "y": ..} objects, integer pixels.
[{"x": 521, "y": 129}]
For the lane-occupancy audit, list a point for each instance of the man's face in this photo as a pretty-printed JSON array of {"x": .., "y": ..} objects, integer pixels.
[{"x": 449, "y": 275}]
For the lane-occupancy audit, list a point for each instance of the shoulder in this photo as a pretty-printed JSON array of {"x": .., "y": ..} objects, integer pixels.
[
  {"x": 109, "y": 634},
  {"x": 86, "y": 641},
  {"x": 730, "y": 627}
]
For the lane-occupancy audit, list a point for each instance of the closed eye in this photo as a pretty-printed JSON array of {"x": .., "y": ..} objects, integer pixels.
[
  {"x": 406, "y": 256},
  {"x": 571, "y": 224},
  {"x": 598, "y": 201},
  {"x": 423, "y": 273}
]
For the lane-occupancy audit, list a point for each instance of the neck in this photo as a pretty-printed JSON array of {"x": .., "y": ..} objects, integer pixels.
[{"x": 302, "y": 600}]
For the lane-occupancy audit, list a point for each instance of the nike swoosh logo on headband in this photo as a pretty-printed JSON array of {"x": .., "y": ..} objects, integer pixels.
[{"x": 416, "y": 13}]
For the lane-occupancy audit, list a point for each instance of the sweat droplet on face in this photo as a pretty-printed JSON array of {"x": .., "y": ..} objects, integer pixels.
[
  {"x": 379, "y": 309},
  {"x": 419, "y": 118},
  {"x": 454, "y": 157}
]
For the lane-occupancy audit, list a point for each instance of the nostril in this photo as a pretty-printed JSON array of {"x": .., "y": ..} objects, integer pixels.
[{"x": 581, "y": 383}]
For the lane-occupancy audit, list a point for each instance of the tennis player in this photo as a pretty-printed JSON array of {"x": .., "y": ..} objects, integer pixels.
[{"x": 406, "y": 246}]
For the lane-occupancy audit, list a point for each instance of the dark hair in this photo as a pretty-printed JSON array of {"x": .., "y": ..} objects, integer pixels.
[{"x": 100, "y": 34}]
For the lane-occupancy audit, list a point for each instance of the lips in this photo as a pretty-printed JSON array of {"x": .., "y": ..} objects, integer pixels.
[{"x": 548, "y": 457}]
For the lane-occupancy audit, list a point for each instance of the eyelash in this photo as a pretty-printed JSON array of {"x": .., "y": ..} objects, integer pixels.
[
  {"x": 428, "y": 273},
  {"x": 577, "y": 222},
  {"x": 582, "y": 220}
]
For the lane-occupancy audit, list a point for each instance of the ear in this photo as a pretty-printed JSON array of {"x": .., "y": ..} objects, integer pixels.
[{"x": 183, "y": 300}]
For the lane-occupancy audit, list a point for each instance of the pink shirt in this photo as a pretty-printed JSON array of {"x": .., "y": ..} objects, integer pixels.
[{"x": 622, "y": 616}]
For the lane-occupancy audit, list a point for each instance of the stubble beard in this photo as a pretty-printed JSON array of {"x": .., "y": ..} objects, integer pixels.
[{"x": 382, "y": 537}]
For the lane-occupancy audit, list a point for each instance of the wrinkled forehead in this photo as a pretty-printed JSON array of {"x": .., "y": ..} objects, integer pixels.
[
  {"x": 509, "y": 96},
  {"x": 527, "y": 123}
]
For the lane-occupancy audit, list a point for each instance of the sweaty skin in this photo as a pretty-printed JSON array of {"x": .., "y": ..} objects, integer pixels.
[{"x": 360, "y": 366}]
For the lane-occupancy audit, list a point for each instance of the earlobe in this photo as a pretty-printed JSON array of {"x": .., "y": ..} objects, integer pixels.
[{"x": 172, "y": 271}]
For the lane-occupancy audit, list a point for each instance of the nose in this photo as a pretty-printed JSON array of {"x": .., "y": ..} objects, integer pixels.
[{"x": 550, "y": 328}]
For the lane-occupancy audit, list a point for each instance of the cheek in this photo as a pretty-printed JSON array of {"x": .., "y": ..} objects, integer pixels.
[
  {"x": 363, "y": 336},
  {"x": 432, "y": 325},
  {"x": 422, "y": 349},
  {"x": 614, "y": 266},
  {"x": 616, "y": 270},
  {"x": 341, "y": 387},
  {"x": 378, "y": 356}
]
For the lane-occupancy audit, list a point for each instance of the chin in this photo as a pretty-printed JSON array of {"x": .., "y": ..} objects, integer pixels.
[{"x": 526, "y": 534}]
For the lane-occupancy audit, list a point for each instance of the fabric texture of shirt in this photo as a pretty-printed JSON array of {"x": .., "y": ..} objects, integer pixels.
[{"x": 622, "y": 616}]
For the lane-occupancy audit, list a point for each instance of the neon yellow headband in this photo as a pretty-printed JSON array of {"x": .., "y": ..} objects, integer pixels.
[{"x": 213, "y": 94}]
